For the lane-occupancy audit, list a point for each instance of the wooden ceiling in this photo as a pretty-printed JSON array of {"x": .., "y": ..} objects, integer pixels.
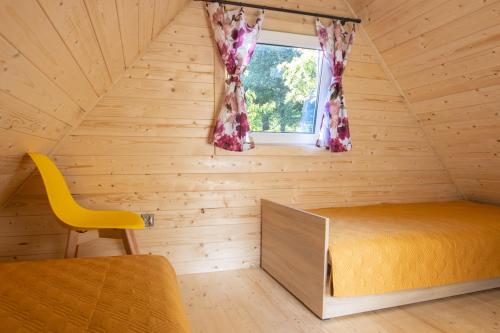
[
  {"x": 57, "y": 59},
  {"x": 144, "y": 148},
  {"x": 445, "y": 56}
]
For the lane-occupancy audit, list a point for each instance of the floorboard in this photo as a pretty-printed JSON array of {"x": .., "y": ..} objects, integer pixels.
[{"x": 251, "y": 301}]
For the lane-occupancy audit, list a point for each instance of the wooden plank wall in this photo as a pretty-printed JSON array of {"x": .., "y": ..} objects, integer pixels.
[
  {"x": 144, "y": 148},
  {"x": 445, "y": 55},
  {"x": 57, "y": 58}
]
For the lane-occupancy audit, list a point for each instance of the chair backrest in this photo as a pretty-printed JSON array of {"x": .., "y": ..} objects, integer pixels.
[{"x": 60, "y": 199}]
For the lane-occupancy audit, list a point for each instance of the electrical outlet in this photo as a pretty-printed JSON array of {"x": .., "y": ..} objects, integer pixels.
[{"x": 149, "y": 220}]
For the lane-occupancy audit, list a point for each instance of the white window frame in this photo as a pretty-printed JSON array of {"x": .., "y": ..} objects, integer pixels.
[{"x": 302, "y": 41}]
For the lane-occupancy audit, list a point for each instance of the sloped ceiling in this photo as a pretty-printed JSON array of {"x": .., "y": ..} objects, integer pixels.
[
  {"x": 57, "y": 59},
  {"x": 144, "y": 148},
  {"x": 445, "y": 56}
]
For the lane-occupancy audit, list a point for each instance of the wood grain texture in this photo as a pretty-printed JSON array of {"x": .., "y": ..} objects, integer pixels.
[
  {"x": 28, "y": 29},
  {"x": 251, "y": 301},
  {"x": 71, "y": 20},
  {"x": 295, "y": 246},
  {"x": 128, "y": 17},
  {"x": 104, "y": 17},
  {"x": 294, "y": 251},
  {"x": 57, "y": 59},
  {"x": 144, "y": 148},
  {"x": 343, "y": 306},
  {"x": 146, "y": 21},
  {"x": 445, "y": 57}
]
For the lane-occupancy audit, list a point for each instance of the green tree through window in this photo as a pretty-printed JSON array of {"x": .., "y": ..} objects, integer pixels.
[{"x": 281, "y": 89}]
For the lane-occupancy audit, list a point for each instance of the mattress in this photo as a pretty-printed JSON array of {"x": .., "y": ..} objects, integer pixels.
[
  {"x": 393, "y": 247},
  {"x": 106, "y": 294}
]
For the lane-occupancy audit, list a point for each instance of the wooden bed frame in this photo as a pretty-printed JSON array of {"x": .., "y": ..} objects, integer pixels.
[{"x": 295, "y": 250}]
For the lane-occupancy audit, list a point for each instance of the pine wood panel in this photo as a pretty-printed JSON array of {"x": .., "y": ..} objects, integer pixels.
[
  {"x": 430, "y": 20},
  {"x": 160, "y": 15},
  {"x": 57, "y": 59},
  {"x": 179, "y": 53},
  {"x": 195, "y": 182},
  {"x": 157, "y": 127},
  {"x": 144, "y": 148},
  {"x": 174, "y": 7},
  {"x": 483, "y": 40},
  {"x": 135, "y": 146},
  {"x": 104, "y": 17},
  {"x": 146, "y": 20},
  {"x": 450, "y": 30},
  {"x": 310, "y": 198},
  {"x": 481, "y": 60},
  {"x": 128, "y": 17},
  {"x": 444, "y": 56},
  {"x": 24, "y": 81},
  {"x": 75, "y": 28},
  {"x": 27, "y": 27},
  {"x": 22, "y": 117},
  {"x": 105, "y": 165},
  {"x": 150, "y": 88},
  {"x": 130, "y": 107},
  {"x": 252, "y": 301}
]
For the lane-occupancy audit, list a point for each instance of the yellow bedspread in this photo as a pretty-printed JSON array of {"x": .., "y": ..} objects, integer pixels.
[
  {"x": 106, "y": 294},
  {"x": 384, "y": 248}
]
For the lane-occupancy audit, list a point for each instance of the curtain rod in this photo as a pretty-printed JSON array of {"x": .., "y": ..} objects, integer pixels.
[{"x": 284, "y": 10}]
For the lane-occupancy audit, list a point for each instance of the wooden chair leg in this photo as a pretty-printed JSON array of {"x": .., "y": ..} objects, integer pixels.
[
  {"x": 128, "y": 238},
  {"x": 72, "y": 244},
  {"x": 129, "y": 242}
]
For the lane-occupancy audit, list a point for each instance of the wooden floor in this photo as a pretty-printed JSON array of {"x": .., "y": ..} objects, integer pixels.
[{"x": 251, "y": 301}]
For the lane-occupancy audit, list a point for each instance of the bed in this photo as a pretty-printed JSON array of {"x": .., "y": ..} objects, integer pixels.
[
  {"x": 341, "y": 261},
  {"x": 105, "y": 294}
]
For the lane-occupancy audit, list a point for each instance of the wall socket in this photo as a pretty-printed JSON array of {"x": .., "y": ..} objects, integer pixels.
[{"x": 149, "y": 219}]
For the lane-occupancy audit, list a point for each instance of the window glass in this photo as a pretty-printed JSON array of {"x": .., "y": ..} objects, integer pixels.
[{"x": 282, "y": 84}]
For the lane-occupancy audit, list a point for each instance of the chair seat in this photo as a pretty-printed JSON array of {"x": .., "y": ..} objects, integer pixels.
[
  {"x": 101, "y": 219},
  {"x": 82, "y": 219},
  {"x": 70, "y": 212}
]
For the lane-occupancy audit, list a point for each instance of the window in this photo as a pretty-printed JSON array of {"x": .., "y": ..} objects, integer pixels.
[{"x": 285, "y": 83}]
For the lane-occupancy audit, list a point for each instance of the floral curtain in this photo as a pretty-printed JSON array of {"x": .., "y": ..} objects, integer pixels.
[
  {"x": 236, "y": 41},
  {"x": 336, "y": 42}
]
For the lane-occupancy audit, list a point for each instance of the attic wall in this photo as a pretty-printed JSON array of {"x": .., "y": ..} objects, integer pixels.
[
  {"x": 445, "y": 57},
  {"x": 144, "y": 148},
  {"x": 57, "y": 58}
]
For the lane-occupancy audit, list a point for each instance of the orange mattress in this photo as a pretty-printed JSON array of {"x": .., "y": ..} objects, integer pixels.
[
  {"x": 393, "y": 247},
  {"x": 106, "y": 294}
]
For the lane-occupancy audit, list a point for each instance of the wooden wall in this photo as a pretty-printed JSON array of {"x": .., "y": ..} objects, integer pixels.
[
  {"x": 144, "y": 148},
  {"x": 57, "y": 58},
  {"x": 445, "y": 55}
]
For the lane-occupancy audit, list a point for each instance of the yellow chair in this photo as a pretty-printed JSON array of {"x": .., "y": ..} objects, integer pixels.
[{"x": 81, "y": 219}]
